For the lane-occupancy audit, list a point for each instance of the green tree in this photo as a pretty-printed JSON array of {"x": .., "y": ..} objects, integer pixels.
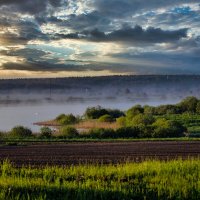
[
  {"x": 121, "y": 121},
  {"x": 198, "y": 108},
  {"x": 166, "y": 109},
  {"x": 106, "y": 118},
  {"x": 20, "y": 132},
  {"x": 115, "y": 113},
  {"x": 188, "y": 104},
  {"x": 45, "y": 132},
  {"x": 68, "y": 132},
  {"x": 132, "y": 112},
  {"x": 95, "y": 112},
  {"x": 150, "y": 110},
  {"x": 141, "y": 119},
  {"x": 161, "y": 122},
  {"x": 145, "y": 131},
  {"x": 167, "y": 128},
  {"x": 60, "y": 117},
  {"x": 68, "y": 119},
  {"x": 128, "y": 132},
  {"x": 1, "y": 135}
]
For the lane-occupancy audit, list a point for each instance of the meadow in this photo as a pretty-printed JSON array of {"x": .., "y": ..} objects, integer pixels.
[{"x": 176, "y": 179}]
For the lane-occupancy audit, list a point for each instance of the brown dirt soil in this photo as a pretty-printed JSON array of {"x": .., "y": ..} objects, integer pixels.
[{"x": 105, "y": 153}]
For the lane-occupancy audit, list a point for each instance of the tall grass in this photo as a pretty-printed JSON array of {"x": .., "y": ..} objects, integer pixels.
[
  {"x": 89, "y": 124},
  {"x": 176, "y": 179}
]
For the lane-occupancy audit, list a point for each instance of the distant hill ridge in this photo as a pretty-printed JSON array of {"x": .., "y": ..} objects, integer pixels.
[
  {"x": 163, "y": 88},
  {"x": 64, "y": 83}
]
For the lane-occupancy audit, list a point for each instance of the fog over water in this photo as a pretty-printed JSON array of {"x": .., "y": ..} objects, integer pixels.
[
  {"x": 27, "y": 114},
  {"x": 24, "y": 102}
]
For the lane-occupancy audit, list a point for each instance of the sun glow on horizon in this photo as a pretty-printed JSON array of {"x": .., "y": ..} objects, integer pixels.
[{"x": 15, "y": 74}]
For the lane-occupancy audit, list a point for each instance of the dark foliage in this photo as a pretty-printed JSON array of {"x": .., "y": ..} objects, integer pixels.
[
  {"x": 20, "y": 132},
  {"x": 97, "y": 112}
]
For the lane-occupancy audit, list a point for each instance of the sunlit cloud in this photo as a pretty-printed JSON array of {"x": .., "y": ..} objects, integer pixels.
[
  {"x": 98, "y": 37},
  {"x": 7, "y": 74}
]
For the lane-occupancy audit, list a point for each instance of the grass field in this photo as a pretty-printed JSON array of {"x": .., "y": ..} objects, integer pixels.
[{"x": 175, "y": 179}]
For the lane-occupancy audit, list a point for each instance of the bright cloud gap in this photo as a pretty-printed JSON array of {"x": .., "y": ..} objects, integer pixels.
[{"x": 98, "y": 37}]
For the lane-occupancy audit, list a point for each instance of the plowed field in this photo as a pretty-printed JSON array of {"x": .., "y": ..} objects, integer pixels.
[{"x": 84, "y": 153}]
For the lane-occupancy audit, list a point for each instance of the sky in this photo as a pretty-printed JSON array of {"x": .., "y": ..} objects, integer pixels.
[{"x": 58, "y": 38}]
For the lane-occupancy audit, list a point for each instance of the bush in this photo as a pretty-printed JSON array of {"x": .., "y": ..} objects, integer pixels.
[
  {"x": 66, "y": 119},
  {"x": 59, "y": 117},
  {"x": 115, "y": 113},
  {"x": 160, "y": 132},
  {"x": 188, "y": 104},
  {"x": 1, "y": 135},
  {"x": 164, "y": 129},
  {"x": 145, "y": 131},
  {"x": 161, "y": 122},
  {"x": 108, "y": 133},
  {"x": 150, "y": 110},
  {"x": 121, "y": 121},
  {"x": 141, "y": 119},
  {"x": 106, "y": 118},
  {"x": 135, "y": 110},
  {"x": 167, "y": 109},
  {"x": 177, "y": 129},
  {"x": 198, "y": 108},
  {"x": 68, "y": 132},
  {"x": 45, "y": 132},
  {"x": 128, "y": 132},
  {"x": 94, "y": 133},
  {"x": 20, "y": 132},
  {"x": 97, "y": 112},
  {"x": 101, "y": 133},
  {"x": 124, "y": 132}
]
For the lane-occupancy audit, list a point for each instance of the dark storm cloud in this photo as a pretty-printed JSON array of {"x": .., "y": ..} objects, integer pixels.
[
  {"x": 104, "y": 13},
  {"x": 190, "y": 45},
  {"x": 42, "y": 66},
  {"x": 25, "y": 31},
  {"x": 101, "y": 22},
  {"x": 84, "y": 21},
  {"x": 122, "y": 8},
  {"x": 190, "y": 19},
  {"x": 177, "y": 62},
  {"x": 31, "y": 6},
  {"x": 93, "y": 19},
  {"x": 27, "y": 53},
  {"x": 12, "y": 39},
  {"x": 4, "y": 22},
  {"x": 93, "y": 26},
  {"x": 167, "y": 63},
  {"x": 51, "y": 67},
  {"x": 128, "y": 34},
  {"x": 30, "y": 30}
]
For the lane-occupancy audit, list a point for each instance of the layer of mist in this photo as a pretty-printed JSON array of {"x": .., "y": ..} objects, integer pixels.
[
  {"x": 114, "y": 88},
  {"x": 25, "y": 101}
]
